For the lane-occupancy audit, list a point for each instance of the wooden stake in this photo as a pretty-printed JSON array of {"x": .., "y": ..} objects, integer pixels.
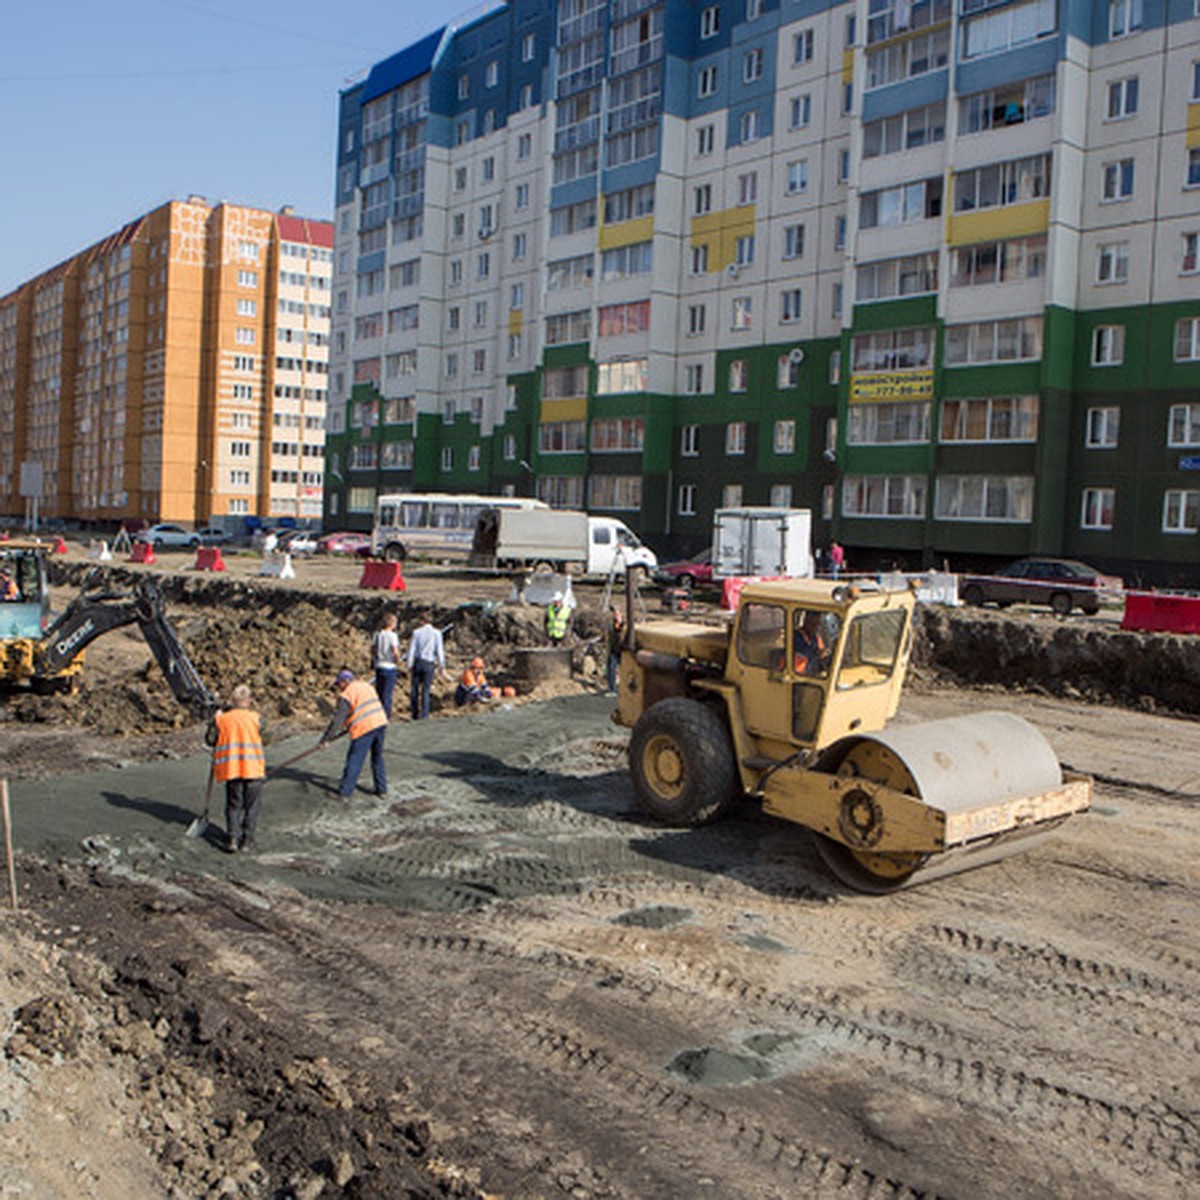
[{"x": 8, "y": 849}]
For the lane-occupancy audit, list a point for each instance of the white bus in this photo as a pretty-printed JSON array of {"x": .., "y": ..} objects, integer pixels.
[{"x": 437, "y": 524}]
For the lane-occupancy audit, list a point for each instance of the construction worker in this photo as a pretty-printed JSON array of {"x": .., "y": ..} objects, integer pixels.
[
  {"x": 8, "y": 587},
  {"x": 810, "y": 650},
  {"x": 473, "y": 685},
  {"x": 236, "y": 735},
  {"x": 558, "y": 619},
  {"x": 359, "y": 713},
  {"x": 616, "y": 643}
]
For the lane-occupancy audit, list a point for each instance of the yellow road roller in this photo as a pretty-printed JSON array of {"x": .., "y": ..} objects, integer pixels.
[{"x": 787, "y": 704}]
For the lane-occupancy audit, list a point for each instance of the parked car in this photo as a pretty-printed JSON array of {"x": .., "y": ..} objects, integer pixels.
[
  {"x": 297, "y": 541},
  {"x": 344, "y": 543},
  {"x": 1062, "y": 583},
  {"x": 169, "y": 537},
  {"x": 688, "y": 572},
  {"x": 212, "y": 535}
]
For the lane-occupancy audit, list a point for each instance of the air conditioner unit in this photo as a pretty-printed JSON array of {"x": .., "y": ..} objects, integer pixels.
[{"x": 795, "y": 356}]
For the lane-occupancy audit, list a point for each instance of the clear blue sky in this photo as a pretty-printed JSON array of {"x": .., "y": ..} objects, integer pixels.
[{"x": 112, "y": 108}]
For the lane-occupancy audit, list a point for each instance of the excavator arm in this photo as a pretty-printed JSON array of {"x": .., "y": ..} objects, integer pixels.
[{"x": 95, "y": 613}]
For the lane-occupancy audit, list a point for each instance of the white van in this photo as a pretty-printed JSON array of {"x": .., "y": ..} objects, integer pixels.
[{"x": 558, "y": 539}]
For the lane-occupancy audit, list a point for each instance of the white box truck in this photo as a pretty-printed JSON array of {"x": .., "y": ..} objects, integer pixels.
[
  {"x": 762, "y": 541},
  {"x": 559, "y": 539}
]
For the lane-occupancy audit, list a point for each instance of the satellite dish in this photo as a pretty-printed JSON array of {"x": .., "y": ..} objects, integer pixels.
[{"x": 796, "y": 356}]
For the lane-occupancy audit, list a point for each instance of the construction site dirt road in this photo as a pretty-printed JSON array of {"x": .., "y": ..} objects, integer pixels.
[{"x": 500, "y": 982}]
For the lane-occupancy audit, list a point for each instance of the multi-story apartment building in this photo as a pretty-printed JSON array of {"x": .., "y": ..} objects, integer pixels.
[
  {"x": 175, "y": 371},
  {"x": 927, "y": 267}
]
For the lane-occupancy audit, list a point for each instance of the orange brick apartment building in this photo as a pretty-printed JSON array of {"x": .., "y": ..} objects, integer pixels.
[{"x": 175, "y": 371}]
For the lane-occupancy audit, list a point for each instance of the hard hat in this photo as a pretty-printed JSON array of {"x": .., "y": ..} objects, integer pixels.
[
  {"x": 345, "y": 676},
  {"x": 477, "y": 662},
  {"x": 558, "y": 597}
]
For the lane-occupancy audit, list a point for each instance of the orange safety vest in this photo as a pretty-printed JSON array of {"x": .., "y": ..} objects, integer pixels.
[
  {"x": 366, "y": 713},
  {"x": 472, "y": 678},
  {"x": 239, "y": 750}
]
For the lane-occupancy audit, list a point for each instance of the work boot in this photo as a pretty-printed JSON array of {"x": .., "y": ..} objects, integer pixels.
[
  {"x": 229, "y": 845},
  {"x": 247, "y": 845}
]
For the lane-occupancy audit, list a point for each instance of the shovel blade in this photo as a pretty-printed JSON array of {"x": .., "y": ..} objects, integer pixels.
[{"x": 197, "y": 828}]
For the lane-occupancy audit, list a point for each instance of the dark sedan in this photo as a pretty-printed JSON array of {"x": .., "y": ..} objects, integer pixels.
[{"x": 1061, "y": 583}]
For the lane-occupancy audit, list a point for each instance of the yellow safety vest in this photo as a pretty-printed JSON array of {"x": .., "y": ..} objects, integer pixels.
[{"x": 557, "y": 617}]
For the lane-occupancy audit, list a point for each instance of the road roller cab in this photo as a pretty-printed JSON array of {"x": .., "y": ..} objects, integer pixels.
[{"x": 788, "y": 704}]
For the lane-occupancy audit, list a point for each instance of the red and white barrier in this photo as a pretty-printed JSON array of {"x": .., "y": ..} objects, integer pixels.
[
  {"x": 388, "y": 576},
  {"x": 208, "y": 558},
  {"x": 141, "y": 552},
  {"x": 1161, "y": 612}
]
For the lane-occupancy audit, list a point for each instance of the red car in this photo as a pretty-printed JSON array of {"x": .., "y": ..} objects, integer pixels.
[
  {"x": 689, "y": 572},
  {"x": 344, "y": 543}
]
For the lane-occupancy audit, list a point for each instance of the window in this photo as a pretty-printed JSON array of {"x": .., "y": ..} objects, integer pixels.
[
  {"x": 622, "y": 375},
  {"x": 990, "y": 419},
  {"x": 892, "y": 206},
  {"x": 616, "y": 492},
  {"x": 735, "y": 437},
  {"x": 481, "y": 313},
  {"x": 912, "y": 275},
  {"x": 742, "y": 312},
  {"x": 1006, "y": 498},
  {"x": 689, "y": 441},
  {"x": 1016, "y": 25},
  {"x": 521, "y": 196},
  {"x": 614, "y": 320},
  {"x": 883, "y": 496},
  {"x": 1112, "y": 263},
  {"x": 787, "y": 370},
  {"x": 888, "y": 424},
  {"x": 739, "y": 375},
  {"x": 793, "y": 241},
  {"x": 1193, "y": 167},
  {"x": 1181, "y": 511},
  {"x": 686, "y": 506},
  {"x": 802, "y": 46},
  {"x": 753, "y": 9},
  {"x": 780, "y": 495},
  {"x": 1188, "y": 261},
  {"x": 784, "y": 440},
  {"x": 839, "y": 232},
  {"x": 908, "y": 59},
  {"x": 1099, "y": 505},
  {"x": 245, "y": 337},
  {"x": 247, "y": 278},
  {"x": 989, "y": 263},
  {"x": 453, "y": 317},
  {"x": 999, "y": 184},
  {"x": 1108, "y": 345},
  {"x": 731, "y": 495},
  {"x": 562, "y": 437},
  {"x": 618, "y": 434},
  {"x": 700, "y": 259},
  {"x": 843, "y": 166},
  {"x": 706, "y": 83},
  {"x": 624, "y": 261},
  {"x": 748, "y": 129},
  {"x": 801, "y": 110},
  {"x": 464, "y": 86},
  {"x": 791, "y": 302},
  {"x": 491, "y": 74},
  {"x": 1017, "y": 339},
  {"x": 247, "y": 308},
  {"x": 702, "y": 199},
  {"x": 747, "y": 187},
  {"x": 1008, "y": 104},
  {"x": 629, "y": 204},
  {"x": 797, "y": 176},
  {"x": 705, "y": 139},
  {"x": 1117, "y": 180},
  {"x": 743, "y": 250},
  {"x": 1183, "y": 425},
  {"x": 1122, "y": 98},
  {"x": 1124, "y": 17},
  {"x": 568, "y": 327},
  {"x": 520, "y": 245},
  {"x": 456, "y": 270},
  {"x": 562, "y": 274},
  {"x": 752, "y": 65},
  {"x": 710, "y": 21},
  {"x": 893, "y": 349},
  {"x": 1103, "y": 428},
  {"x": 695, "y": 319},
  {"x": 693, "y": 379}
]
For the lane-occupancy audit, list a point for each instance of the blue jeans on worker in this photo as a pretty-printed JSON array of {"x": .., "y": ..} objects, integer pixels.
[
  {"x": 422, "y": 680},
  {"x": 385, "y": 686},
  {"x": 356, "y": 756}
]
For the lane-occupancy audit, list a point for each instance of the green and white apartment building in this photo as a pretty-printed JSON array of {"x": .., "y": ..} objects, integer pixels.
[{"x": 927, "y": 267}]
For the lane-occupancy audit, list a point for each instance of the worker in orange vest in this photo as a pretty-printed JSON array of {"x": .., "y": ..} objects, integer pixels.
[
  {"x": 473, "y": 685},
  {"x": 236, "y": 735},
  {"x": 360, "y": 714}
]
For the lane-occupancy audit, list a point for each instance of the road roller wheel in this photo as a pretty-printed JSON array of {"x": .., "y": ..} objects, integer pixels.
[
  {"x": 863, "y": 871},
  {"x": 681, "y": 760}
]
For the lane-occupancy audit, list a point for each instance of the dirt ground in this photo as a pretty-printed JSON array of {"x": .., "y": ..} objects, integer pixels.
[{"x": 501, "y": 982}]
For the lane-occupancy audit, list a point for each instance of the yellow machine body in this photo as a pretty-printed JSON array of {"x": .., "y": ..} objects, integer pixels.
[{"x": 796, "y": 692}]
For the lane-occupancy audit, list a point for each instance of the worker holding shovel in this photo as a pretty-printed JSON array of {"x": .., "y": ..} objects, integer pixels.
[{"x": 236, "y": 735}]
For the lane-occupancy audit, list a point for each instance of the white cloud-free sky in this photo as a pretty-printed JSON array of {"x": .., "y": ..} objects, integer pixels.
[{"x": 111, "y": 109}]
